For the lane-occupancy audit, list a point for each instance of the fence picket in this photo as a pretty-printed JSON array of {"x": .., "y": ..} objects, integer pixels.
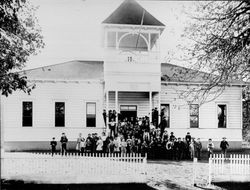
[{"x": 239, "y": 165}]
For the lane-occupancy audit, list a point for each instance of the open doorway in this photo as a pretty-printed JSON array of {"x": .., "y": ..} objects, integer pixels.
[{"x": 129, "y": 112}]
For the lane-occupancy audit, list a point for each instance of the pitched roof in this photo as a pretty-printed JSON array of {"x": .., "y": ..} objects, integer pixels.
[
  {"x": 175, "y": 73},
  {"x": 72, "y": 70},
  {"x": 131, "y": 12},
  {"x": 94, "y": 70}
]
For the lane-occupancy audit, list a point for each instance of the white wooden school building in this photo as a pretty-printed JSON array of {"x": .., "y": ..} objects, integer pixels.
[{"x": 70, "y": 97}]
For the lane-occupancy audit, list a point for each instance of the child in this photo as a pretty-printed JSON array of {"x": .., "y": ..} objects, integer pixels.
[
  {"x": 53, "y": 144},
  {"x": 210, "y": 147},
  {"x": 123, "y": 146}
]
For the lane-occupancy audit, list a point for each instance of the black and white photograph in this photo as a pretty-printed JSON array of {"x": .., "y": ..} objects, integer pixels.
[{"x": 124, "y": 94}]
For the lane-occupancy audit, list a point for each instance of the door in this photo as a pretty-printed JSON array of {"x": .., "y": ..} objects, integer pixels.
[{"x": 129, "y": 112}]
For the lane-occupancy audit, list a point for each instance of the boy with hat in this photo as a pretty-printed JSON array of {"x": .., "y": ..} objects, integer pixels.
[
  {"x": 53, "y": 144},
  {"x": 224, "y": 146}
]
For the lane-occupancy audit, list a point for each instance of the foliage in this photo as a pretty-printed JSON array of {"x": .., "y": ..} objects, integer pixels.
[
  {"x": 218, "y": 38},
  {"x": 19, "y": 38}
]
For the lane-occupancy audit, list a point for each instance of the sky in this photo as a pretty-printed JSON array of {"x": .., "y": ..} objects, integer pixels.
[{"x": 72, "y": 29}]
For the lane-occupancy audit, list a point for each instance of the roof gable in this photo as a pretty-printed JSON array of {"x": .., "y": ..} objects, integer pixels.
[
  {"x": 131, "y": 12},
  {"x": 72, "y": 70}
]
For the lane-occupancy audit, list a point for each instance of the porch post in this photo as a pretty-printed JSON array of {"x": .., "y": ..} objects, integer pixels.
[
  {"x": 159, "y": 108},
  {"x": 116, "y": 105},
  {"x": 107, "y": 111},
  {"x": 150, "y": 106}
]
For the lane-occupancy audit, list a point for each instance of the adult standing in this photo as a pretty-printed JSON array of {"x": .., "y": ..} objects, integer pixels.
[
  {"x": 104, "y": 114},
  {"x": 112, "y": 125},
  {"x": 198, "y": 148},
  {"x": 224, "y": 146},
  {"x": 64, "y": 141},
  {"x": 163, "y": 124},
  {"x": 188, "y": 138}
]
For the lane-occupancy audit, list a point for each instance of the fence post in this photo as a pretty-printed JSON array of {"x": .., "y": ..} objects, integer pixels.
[
  {"x": 194, "y": 170},
  {"x": 210, "y": 170}
]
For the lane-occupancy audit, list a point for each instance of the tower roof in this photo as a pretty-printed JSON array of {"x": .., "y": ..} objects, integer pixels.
[{"x": 131, "y": 12}]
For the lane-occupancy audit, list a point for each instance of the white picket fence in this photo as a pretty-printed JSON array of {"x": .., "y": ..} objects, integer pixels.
[
  {"x": 235, "y": 168},
  {"x": 89, "y": 168}
]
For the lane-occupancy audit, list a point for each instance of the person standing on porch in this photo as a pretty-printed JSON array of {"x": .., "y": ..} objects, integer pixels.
[
  {"x": 224, "y": 146},
  {"x": 155, "y": 117},
  {"x": 64, "y": 141},
  {"x": 104, "y": 114},
  {"x": 112, "y": 125}
]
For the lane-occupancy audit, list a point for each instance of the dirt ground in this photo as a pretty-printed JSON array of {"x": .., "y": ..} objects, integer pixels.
[
  {"x": 176, "y": 175},
  {"x": 164, "y": 174}
]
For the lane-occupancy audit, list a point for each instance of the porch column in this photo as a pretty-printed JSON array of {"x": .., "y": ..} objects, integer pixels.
[
  {"x": 150, "y": 106},
  {"x": 107, "y": 110},
  {"x": 159, "y": 108},
  {"x": 116, "y": 105}
]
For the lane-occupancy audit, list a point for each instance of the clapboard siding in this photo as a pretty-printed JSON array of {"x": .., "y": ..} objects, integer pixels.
[
  {"x": 75, "y": 96},
  {"x": 44, "y": 96},
  {"x": 179, "y": 113}
]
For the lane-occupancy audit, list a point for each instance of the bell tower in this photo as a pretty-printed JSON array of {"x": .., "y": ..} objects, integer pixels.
[
  {"x": 131, "y": 59},
  {"x": 131, "y": 51}
]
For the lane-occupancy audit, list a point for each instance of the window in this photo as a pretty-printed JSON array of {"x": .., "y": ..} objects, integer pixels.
[
  {"x": 194, "y": 115},
  {"x": 165, "y": 114},
  {"x": 128, "y": 108},
  {"x": 222, "y": 115},
  {"x": 91, "y": 114},
  {"x": 59, "y": 114},
  {"x": 27, "y": 114}
]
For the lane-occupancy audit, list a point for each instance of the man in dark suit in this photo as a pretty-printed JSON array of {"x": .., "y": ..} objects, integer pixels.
[{"x": 64, "y": 141}]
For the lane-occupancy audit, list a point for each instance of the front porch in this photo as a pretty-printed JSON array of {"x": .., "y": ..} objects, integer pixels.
[{"x": 140, "y": 103}]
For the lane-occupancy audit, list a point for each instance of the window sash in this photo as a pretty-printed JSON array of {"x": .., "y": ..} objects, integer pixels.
[
  {"x": 27, "y": 115},
  {"x": 91, "y": 114},
  {"x": 166, "y": 113},
  {"x": 59, "y": 114},
  {"x": 222, "y": 116},
  {"x": 194, "y": 115}
]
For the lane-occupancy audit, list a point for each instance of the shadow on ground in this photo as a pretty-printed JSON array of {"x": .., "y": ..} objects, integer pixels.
[
  {"x": 21, "y": 185},
  {"x": 233, "y": 185}
]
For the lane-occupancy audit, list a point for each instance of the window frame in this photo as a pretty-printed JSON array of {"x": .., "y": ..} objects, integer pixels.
[
  {"x": 64, "y": 118},
  {"x": 32, "y": 113},
  {"x": 170, "y": 111},
  {"x": 217, "y": 122},
  {"x": 198, "y": 116},
  {"x": 95, "y": 103}
]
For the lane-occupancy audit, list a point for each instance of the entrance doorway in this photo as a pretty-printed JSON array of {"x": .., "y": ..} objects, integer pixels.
[{"x": 129, "y": 112}]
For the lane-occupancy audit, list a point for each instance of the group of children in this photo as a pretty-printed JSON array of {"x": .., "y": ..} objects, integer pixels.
[{"x": 157, "y": 145}]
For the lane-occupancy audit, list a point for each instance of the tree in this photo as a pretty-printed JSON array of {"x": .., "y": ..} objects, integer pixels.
[
  {"x": 219, "y": 44},
  {"x": 19, "y": 38}
]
